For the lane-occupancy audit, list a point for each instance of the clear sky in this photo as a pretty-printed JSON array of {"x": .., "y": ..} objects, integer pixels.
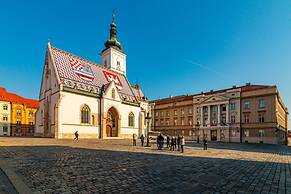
[{"x": 172, "y": 47}]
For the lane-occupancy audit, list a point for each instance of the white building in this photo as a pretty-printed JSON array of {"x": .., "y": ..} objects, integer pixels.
[
  {"x": 95, "y": 100},
  {"x": 5, "y": 117}
]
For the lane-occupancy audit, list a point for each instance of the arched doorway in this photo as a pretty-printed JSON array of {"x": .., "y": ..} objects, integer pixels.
[{"x": 112, "y": 123}]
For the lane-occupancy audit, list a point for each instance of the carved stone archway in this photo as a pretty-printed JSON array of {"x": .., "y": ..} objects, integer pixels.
[{"x": 111, "y": 127}]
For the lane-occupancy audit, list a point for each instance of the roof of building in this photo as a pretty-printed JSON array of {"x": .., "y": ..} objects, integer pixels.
[
  {"x": 247, "y": 87},
  {"x": 67, "y": 65},
  {"x": 11, "y": 97}
]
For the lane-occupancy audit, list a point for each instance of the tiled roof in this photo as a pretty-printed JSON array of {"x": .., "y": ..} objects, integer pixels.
[
  {"x": 10, "y": 97},
  {"x": 69, "y": 77},
  {"x": 138, "y": 92},
  {"x": 187, "y": 97}
]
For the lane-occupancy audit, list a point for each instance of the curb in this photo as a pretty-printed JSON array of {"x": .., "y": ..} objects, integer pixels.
[{"x": 18, "y": 184}]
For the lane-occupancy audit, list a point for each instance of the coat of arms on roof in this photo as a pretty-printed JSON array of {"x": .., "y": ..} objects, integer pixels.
[
  {"x": 112, "y": 77},
  {"x": 82, "y": 70}
]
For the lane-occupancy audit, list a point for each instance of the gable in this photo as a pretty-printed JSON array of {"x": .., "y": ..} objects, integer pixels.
[
  {"x": 80, "y": 74},
  {"x": 214, "y": 98},
  {"x": 109, "y": 90}
]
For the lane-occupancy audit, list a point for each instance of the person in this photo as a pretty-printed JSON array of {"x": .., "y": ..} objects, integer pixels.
[
  {"x": 142, "y": 139},
  {"x": 168, "y": 141},
  {"x": 205, "y": 143},
  {"x": 175, "y": 142},
  {"x": 182, "y": 144},
  {"x": 178, "y": 142},
  {"x": 76, "y": 135},
  {"x": 161, "y": 141},
  {"x": 134, "y": 139},
  {"x": 172, "y": 144},
  {"x": 198, "y": 139},
  {"x": 158, "y": 141}
]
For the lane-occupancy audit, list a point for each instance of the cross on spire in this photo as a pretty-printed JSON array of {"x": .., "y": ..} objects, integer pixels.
[{"x": 113, "y": 16}]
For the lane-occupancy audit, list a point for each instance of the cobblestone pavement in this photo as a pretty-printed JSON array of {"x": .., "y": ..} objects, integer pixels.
[
  {"x": 6, "y": 186},
  {"x": 114, "y": 166}
]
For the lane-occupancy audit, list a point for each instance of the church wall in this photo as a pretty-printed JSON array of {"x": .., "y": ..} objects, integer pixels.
[{"x": 70, "y": 112}]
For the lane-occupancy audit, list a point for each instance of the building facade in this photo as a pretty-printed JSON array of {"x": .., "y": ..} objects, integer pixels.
[
  {"x": 17, "y": 114},
  {"x": 95, "y": 100},
  {"x": 248, "y": 114}
]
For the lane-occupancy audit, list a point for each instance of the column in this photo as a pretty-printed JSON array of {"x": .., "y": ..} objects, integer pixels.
[
  {"x": 208, "y": 115},
  {"x": 218, "y": 114},
  {"x": 201, "y": 116},
  {"x": 227, "y": 114}
]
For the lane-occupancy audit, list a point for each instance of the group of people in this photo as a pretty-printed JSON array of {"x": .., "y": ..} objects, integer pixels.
[{"x": 176, "y": 143}]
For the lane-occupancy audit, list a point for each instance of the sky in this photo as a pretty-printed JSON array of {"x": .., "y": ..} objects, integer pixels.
[{"x": 173, "y": 47}]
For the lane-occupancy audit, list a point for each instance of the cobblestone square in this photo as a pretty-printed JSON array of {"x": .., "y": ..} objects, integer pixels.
[{"x": 114, "y": 166}]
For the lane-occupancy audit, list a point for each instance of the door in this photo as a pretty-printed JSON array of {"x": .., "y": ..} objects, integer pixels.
[
  {"x": 108, "y": 131},
  {"x": 213, "y": 135}
]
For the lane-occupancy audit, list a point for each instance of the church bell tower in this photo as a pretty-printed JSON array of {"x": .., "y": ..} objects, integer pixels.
[{"x": 112, "y": 57}]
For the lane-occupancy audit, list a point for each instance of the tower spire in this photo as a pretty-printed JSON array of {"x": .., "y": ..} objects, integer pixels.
[{"x": 113, "y": 42}]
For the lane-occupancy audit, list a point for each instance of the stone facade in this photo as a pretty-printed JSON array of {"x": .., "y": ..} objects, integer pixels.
[{"x": 248, "y": 114}]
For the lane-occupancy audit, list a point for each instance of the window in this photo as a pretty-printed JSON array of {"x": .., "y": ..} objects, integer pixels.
[
  {"x": 162, "y": 113},
  {"x": 190, "y": 111},
  {"x": 223, "y": 108},
  {"x": 182, "y": 112},
  {"x": 157, "y": 114},
  {"x": 113, "y": 93},
  {"x": 85, "y": 114},
  {"x": 197, "y": 110},
  {"x": 167, "y": 122},
  {"x": 232, "y": 106},
  {"x": 190, "y": 121},
  {"x": 5, "y": 107},
  {"x": 262, "y": 103},
  {"x": 161, "y": 122},
  {"x": 175, "y": 122},
  {"x": 167, "y": 113},
  {"x": 182, "y": 121},
  {"x": 5, "y": 117},
  {"x": 233, "y": 132},
  {"x": 30, "y": 123},
  {"x": 261, "y": 118},
  {"x": 261, "y": 133},
  {"x": 232, "y": 119},
  {"x": 5, "y": 129},
  {"x": 213, "y": 108},
  {"x": 247, "y": 133},
  {"x": 246, "y": 118},
  {"x": 156, "y": 123},
  {"x": 18, "y": 121},
  {"x": 18, "y": 112},
  {"x": 247, "y": 105},
  {"x": 131, "y": 120},
  {"x": 30, "y": 113},
  {"x": 175, "y": 112}
]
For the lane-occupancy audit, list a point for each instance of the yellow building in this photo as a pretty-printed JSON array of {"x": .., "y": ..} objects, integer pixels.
[{"x": 18, "y": 114}]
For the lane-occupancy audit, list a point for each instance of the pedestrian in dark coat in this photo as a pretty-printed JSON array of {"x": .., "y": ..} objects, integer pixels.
[
  {"x": 205, "y": 143},
  {"x": 168, "y": 141},
  {"x": 142, "y": 140},
  {"x": 175, "y": 142},
  {"x": 172, "y": 144},
  {"x": 76, "y": 135},
  {"x": 178, "y": 142}
]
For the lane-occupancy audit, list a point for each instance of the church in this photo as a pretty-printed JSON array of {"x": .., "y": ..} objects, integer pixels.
[{"x": 96, "y": 100}]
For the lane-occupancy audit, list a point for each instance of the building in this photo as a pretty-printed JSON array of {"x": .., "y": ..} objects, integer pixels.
[
  {"x": 249, "y": 114},
  {"x": 17, "y": 114},
  {"x": 95, "y": 100}
]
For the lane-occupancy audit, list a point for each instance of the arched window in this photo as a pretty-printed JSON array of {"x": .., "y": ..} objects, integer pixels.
[
  {"x": 113, "y": 93},
  {"x": 85, "y": 114},
  {"x": 131, "y": 120}
]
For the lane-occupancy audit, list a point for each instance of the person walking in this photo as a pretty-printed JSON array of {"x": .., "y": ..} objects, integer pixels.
[
  {"x": 134, "y": 139},
  {"x": 142, "y": 140},
  {"x": 76, "y": 135},
  {"x": 205, "y": 143},
  {"x": 175, "y": 142},
  {"x": 178, "y": 142},
  {"x": 182, "y": 144},
  {"x": 172, "y": 144},
  {"x": 168, "y": 141}
]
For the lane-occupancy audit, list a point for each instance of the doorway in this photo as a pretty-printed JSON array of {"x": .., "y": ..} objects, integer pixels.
[
  {"x": 213, "y": 135},
  {"x": 112, "y": 123}
]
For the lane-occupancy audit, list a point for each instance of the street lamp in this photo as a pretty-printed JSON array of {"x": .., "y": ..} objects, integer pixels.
[{"x": 148, "y": 118}]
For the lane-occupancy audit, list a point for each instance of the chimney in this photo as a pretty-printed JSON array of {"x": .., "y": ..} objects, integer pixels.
[
  {"x": 234, "y": 86},
  {"x": 248, "y": 84}
]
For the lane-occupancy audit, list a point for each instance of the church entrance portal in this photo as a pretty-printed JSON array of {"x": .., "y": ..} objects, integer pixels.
[{"x": 112, "y": 123}]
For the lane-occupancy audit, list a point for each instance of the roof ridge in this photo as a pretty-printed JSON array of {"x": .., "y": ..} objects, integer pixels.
[{"x": 86, "y": 60}]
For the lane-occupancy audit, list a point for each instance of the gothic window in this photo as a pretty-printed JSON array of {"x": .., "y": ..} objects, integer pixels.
[
  {"x": 131, "y": 120},
  {"x": 85, "y": 114},
  {"x": 113, "y": 94}
]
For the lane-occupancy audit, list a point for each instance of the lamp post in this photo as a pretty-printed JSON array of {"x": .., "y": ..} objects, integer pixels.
[
  {"x": 148, "y": 118},
  {"x": 198, "y": 134}
]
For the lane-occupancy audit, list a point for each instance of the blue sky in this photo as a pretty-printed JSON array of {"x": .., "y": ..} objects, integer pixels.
[{"x": 172, "y": 47}]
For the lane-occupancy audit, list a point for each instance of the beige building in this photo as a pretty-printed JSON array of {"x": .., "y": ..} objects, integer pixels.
[
  {"x": 5, "y": 118},
  {"x": 250, "y": 114}
]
